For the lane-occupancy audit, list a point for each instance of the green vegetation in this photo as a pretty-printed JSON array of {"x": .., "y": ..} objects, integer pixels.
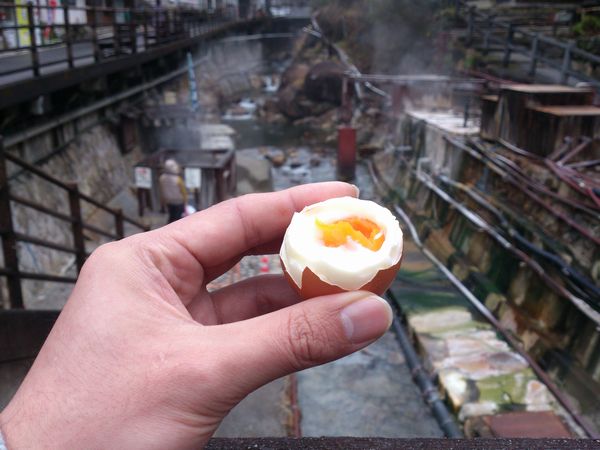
[
  {"x": 588, "y": 26},
  {"x": 587, "y": 32}
]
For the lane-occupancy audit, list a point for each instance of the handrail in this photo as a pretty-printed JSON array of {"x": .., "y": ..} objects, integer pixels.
[
  {"x": 90, "y": 34},
  {"x": 534, "y": 45},
  {"x": 10, "y": 237}
]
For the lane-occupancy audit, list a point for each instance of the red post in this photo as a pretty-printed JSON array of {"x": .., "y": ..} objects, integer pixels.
[{"x": 346, "y": 164}]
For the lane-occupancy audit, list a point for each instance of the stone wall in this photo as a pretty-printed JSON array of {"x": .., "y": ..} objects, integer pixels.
[
  {"x": 92, "y": 158},
  {"x": 437, "y": 187}
]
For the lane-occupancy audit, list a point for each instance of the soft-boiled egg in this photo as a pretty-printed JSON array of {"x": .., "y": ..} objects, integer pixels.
[{"x": 341, "y": 244}]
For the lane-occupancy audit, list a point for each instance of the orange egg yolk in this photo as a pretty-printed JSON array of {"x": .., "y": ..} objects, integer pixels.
[{"x": 362, "y": 231}]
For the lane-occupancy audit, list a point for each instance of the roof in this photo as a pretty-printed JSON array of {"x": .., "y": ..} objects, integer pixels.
[
  {"x": 545, "y": 88},
  {"x": 570, "y": 110}
]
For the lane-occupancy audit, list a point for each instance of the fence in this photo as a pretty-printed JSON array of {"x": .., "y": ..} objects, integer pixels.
[
  {"x": 53, "y": 40},
  {"x": 538, "y": 47},
  {"x": 10, "y": 237}
]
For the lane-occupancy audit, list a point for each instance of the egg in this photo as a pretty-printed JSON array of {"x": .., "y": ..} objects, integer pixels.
[{"x": 341, "y": 244}]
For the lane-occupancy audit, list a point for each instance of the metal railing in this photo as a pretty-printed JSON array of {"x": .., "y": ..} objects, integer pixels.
[
  {"x": 64, "y": 37},
  {"x": 507, "y": 37},
  {"x": 11, "y": 237}
]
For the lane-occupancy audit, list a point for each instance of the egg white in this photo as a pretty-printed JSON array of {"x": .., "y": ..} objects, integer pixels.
[{"x": 350, "y": 266}]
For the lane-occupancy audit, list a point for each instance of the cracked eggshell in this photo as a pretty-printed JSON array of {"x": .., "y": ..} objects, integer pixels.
[{"x": 313, "y": 269}]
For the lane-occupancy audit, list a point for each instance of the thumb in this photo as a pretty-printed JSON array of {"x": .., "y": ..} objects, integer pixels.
[{"x": 306, "y": 334}]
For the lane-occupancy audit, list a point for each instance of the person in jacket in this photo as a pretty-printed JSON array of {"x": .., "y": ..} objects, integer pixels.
[{"x": 173, "y": 193}]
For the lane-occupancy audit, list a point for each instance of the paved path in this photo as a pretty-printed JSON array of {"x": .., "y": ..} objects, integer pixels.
[{"x": 369, "y": 393}]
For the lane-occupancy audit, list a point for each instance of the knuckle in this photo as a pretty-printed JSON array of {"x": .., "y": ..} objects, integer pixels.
[
  {"x": 308, "y": 340},
  {"x": 104, "y": 253}
]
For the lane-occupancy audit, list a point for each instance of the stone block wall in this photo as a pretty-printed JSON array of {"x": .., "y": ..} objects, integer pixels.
[{"x": 92, "y": 158}]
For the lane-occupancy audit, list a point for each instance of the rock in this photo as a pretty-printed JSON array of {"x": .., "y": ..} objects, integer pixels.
[
  {"x": 477, "y": 409},
  {"x": 288, "y": 105},
  {"x": 253, "y": 175},
  {"x": 277, "y": 157},
  {"x": 294, "y": 77},
  {"x": 537, "y": 397},
  {"x": 324, "y": 81},
  {"x": 440, "y": 320},
  {"x": 456, "y": 387}
]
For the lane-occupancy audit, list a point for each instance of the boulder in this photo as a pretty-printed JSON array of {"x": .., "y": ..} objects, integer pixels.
[
  {"x": 253, "y": 175},
  {"x": 288, "y": 104},
  {"x": 294, "y": 76},
  {"x": 323, "y": 83}
]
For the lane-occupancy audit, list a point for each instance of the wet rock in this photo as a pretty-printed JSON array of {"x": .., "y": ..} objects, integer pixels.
[
  {"x": 315, "y": 161},
  {"x": 323, "y": 82},
  {"x": 293, "y": 77},
  {"x": 477, "y": 409},
  {"x": 276, "y": 156},
  {"x": 537, "y": 397},
  {"x": 440, "y": 320},
  {"x": 505, "y": 389},
  {"x": 456, "y": 387},
  {"x": 288, "y": 105},
  {"x": 253, "y": 175}
]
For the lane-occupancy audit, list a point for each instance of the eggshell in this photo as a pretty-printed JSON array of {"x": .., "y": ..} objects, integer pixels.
[{"x": 313, "y": 286}]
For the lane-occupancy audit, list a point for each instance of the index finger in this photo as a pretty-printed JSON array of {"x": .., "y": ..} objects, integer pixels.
[{"x": 229, "y": 229}]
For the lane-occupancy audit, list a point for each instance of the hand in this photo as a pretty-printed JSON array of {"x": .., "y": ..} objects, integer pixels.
[{"x": 142, "y": 356}]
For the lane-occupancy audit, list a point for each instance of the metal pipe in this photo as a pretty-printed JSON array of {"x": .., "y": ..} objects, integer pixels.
[
  {"x": 534, "y": 265},
  {"x": 529, "y": 193},
  {"x": 428, "y": 390},
  {"x": 486, "y": 313},
  {"x": 504, "y": 223}
]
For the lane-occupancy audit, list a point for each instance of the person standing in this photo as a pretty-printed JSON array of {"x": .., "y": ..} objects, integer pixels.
[{"x": 172, "y": 190}]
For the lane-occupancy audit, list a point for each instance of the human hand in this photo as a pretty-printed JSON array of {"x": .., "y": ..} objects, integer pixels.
[{"x": 143, "y": 356}]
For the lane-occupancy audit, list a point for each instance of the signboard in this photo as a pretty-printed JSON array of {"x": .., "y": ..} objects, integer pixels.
[
  {"x": 22, "y": 21},
  {"x": 143, "y": 177},
  {"x": 193, "y": 177}
]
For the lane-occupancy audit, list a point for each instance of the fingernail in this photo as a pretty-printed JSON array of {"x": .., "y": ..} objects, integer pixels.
[
  {"x": 356, "y": 189},
  {"x": 366, "y": 319}
]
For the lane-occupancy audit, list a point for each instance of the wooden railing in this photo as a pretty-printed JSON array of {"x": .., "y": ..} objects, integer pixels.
[
  {"x": 10, "y": 237},
  {"x": 502, "y": 35},
  {"x": 66, "y": 36}
]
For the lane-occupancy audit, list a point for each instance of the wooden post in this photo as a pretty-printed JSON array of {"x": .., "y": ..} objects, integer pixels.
[
  {"x": 157, "y": 25},
  {"x": 145, "y": 16},
  {"x": 534, "y": 54},
  {"x": 68, "y": 38},
  {"x": 508, "y": 45},
  {"x": 94, "y": 25},
  {"x": 116, "y": 35},
  {"x": 471, "y": 25},
  {"x": 119, "y": 228},
  {"x": 9, "y": 241},
  {"x": 486, "y": 35},
  {"x": 77, "y": 225},
  {"x": 141, "y": 198},
  {"x": 35, "y": 57},
  {"x": 132, "y": 30},
  {"x": 566, "y": 64}
]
